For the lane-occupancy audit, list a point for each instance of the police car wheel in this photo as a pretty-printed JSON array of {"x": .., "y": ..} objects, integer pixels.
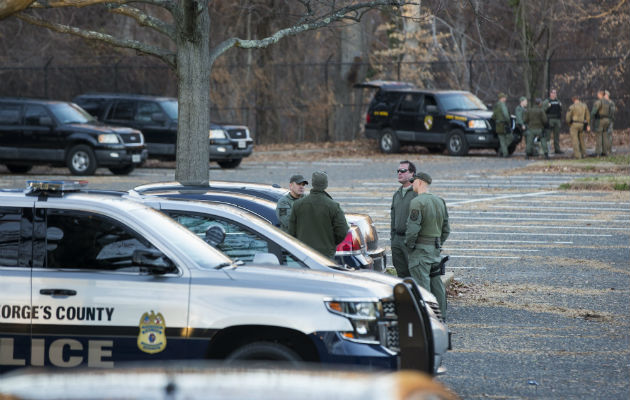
[
  {"x": 264, "y": 351},
  {"x": 388, "y": 142},
  {"x": 19, "y": 169},
  {"x": 456, "y": 143},
  {"x": 81, "y": 160}
]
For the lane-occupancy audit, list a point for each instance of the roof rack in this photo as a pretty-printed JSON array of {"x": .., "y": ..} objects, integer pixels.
[{"x": 53, "y": 187}]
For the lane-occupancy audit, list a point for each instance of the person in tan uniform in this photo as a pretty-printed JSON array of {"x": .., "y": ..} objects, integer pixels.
[{"x": 578, "y": 119}]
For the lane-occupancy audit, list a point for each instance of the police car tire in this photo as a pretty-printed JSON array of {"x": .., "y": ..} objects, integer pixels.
[
  {"x": 388, "y": 142},
  {"x": 264, "y": 351},
  {"x": 228, "y": 164},
  {"x": 19, "y": 169},
  {"x": 456, "y": 143},
  {"x": 81, "y": 160},
  {"x": 124, "y": 170}
]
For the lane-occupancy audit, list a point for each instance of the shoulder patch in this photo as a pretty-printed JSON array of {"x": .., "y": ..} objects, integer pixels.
[
  {"x": 414, "y": 214},
  {"x": 282, "y": 211}
]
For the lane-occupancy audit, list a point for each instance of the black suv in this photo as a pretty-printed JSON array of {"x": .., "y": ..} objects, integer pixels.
[
  {"x": 61, "y": 133},
  {"x": 156, "y": 117},
  {"x": 401, "y": 113}
]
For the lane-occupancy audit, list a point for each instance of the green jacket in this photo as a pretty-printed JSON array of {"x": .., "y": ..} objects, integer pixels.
[
  {"x": 601, "y": 109},
  {"x": 318, "y": 221},
  {"x": 518, "y": 113},
  {"x": 283, "y": 210},
  {"x": 501, "y": 117},
  {"x": 428, "y": 218},
  {"x": 535, "y": 118},
  {"x": 400, "y": 210}
]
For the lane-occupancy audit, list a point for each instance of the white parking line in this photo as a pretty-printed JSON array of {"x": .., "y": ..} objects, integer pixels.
[
  {"x": 520, "y": 212},
  {"x": 568, "y": 208},
  {"x": 537, "y": 219},
  {"x": 494, "y": 198},
  {"x": 464, "y": 256},
  {"x": 465, "y": 267},
  {"x": 497, "y": 249},
  {"x": 530, "y": 234},
  {"x": 543, "y": 227},
  {"x": 509, "y": 241}
]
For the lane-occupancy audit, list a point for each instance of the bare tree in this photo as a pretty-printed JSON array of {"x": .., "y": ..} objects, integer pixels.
[{"x": 188, "y": 28}]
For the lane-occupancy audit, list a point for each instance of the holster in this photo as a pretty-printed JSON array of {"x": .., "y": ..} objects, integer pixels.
[{"x": 439, "y": 269}]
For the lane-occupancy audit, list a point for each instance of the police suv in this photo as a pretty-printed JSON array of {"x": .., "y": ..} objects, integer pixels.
[{"x": 94, "y": 279}]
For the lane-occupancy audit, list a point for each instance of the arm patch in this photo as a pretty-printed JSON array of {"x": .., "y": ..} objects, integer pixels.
[{"x": 414, "y": 214}]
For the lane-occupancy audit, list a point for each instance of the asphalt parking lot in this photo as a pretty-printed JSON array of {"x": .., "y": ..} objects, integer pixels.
[{"x": 541, "y": 305}]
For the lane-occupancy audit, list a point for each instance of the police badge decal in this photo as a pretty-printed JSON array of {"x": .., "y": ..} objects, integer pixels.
[{"x": 152, "y": 335}]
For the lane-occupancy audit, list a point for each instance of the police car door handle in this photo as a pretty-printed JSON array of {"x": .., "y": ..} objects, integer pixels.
[{"x": 58, "y": 292}]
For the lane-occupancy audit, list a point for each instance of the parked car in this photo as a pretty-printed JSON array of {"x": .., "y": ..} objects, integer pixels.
[
  {"x": 271, "y": 193},
  {"x": 243, "y": 236},
  {"x": 157, "y": 116},
  {"x": 36, "y": 132},
  {"x": 105, "y": 279},
  {"x": 455, "y": 120}
]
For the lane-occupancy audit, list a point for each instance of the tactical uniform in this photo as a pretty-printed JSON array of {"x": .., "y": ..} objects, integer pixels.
[
  {"x": 502, "y": 125},
  {"x": 600, "y": 117},
  {"x": 578, "y": 118},
  {"x": 283, "y": 210},
  {"x": 609, "y": 133},
  {"x": 553, "y": 108},
  {"x": 536, "y": 119},
  {"x": 399, "y": 214},
  {"x": 317, "y": 219},
  {"x": 427, "y": 229},
  {"x": 519, "y": 111}
]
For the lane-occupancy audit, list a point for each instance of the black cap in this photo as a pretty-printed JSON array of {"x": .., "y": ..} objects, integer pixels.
[
  {"x": 423, "y": 176},
  {"x": 298, "y": 179}
]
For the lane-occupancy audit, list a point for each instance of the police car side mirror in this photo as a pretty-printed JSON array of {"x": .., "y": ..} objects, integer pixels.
[
  {"x": 215, "y": 235},
  {"x": 154, "y": 260},
  {"x": 265, "y": 258}
]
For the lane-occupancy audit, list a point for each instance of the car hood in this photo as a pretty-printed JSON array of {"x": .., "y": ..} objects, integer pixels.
[
  {"x": 324, "y": 283},
  {"x": 102, "y": 128},
  {"x": 471, "y": 114},
  {"x": 392, "y": 281}
]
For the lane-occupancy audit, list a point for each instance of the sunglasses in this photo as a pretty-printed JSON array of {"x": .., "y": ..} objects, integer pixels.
[{"x": 402, "y": 170}]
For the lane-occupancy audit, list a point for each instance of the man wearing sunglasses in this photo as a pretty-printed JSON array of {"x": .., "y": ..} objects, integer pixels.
[
  {"x": 427, "y": 229},
  {"x": 399, "y": 214}
]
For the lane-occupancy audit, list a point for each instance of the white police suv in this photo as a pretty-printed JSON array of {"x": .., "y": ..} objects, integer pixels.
[{"x": 94, "y": 279}]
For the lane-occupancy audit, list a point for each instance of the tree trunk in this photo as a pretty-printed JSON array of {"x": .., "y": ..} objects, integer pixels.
[{"x": 193, "y": 73}]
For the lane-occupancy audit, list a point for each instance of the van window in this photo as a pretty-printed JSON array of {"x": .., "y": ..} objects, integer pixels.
[{"x": 10, "y": 114}]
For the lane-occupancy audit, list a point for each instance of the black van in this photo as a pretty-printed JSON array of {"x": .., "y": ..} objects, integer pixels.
[
  {"x": 156, "y": 117},
  {"x": 60, "y": 133},
  {"x": 455, "y": 120}
]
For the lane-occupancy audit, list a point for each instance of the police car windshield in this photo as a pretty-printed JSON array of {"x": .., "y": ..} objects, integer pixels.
[
  {"x": 204, "y": 255},
  {"x": 461, "y": 102},
  {"x": 170, "y": 108},
  {"x": 68, "y": 113}
]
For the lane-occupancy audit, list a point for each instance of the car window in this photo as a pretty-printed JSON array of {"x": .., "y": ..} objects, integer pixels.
[
  {"x": 10, "y": 114},
  {"x": 170, "y": 108},
  {"x": 33, "y": 113},
  {"x": 145, "y": 110},
  {"x": 240, "y": 243},
  {"x": 461, "y": 102},
  {"x": 82, "y": 240},
  {"x": 70, "y": 113},
  {"x": 123, "y": 110},
  {"x": 9, "y": 236},
  {"x": 410, "y": 102}
]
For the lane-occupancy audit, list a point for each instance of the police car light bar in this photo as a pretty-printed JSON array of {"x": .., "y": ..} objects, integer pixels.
[{"x": 54, "y": 187}]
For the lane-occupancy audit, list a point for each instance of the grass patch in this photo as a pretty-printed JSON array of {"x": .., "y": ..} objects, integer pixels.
[{"x": 604, "y": 182}]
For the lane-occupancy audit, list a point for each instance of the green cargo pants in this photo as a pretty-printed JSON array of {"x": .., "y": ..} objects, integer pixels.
[
  {"x": 400, "y": 256},
  {"x": 421, "y": 260}
]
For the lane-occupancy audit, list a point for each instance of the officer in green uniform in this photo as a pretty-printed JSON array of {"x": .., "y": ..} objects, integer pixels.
[
  {"x": 285, "y": 203},
  {"x": 553, "y": 108},
  {"x": 399, "y": 214},
  {"x": 578, "y": 120},
  {"x": 317, "y": 220},
  {"x": 536, "y": 120},
  {"x": 502, "y": 124},
  {"x": 518, "y": 113},
  {"x": 609, "y": 132},
  {"x": 427, "y": 229},
  {"x": 600, "y": 118}
]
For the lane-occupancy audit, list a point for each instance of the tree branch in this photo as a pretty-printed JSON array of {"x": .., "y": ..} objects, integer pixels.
[
  {"x": 165, "y": 55},
  {"x": 318, "y": 22},
  {"x": 144, "y": 19},
  {"x": 170, "y": 5}
]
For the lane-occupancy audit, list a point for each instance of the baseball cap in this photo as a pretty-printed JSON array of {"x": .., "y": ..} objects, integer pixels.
[
  {"x": 298, "y": 179},
  {"x": 422, "y": 176}
]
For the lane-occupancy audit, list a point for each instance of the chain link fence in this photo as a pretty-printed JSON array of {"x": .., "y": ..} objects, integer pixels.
[{"x": 311, "y": 101}]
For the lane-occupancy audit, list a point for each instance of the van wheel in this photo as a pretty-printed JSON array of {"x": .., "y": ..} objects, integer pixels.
[
  {"x": 81, "y": 160},
  {"x": 229, "y": 164},
  {"x": 388, "y": 142},
  {"x": 456, "y": 143},
  {"x": 124, "y": 170},
  {"x": 19, "y": 169},
  {"x": 264, "y": 351}
]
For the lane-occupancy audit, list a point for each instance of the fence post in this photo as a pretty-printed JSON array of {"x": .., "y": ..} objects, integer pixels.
[{"x": 46, "y": 76}]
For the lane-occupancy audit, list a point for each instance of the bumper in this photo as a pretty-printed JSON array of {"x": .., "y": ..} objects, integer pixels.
[
  {"x": 333, "y": 349},
  {"x": 120, "y": 157},
  {"x": 372, "y": 133},
  {"x": 379, "y": 258},
  {"x": 229, "y": 150},
  {"x": 356, "y": 261}
]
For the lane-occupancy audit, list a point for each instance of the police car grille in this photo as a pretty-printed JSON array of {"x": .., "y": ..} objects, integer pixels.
[
  {"x": 389, "y": 309},
  {"x": 436, "y": 309},
  {"x": 391, "y": 339},
  {"x": 237, "y": 133},
  {"x": 131, "y": 138}
]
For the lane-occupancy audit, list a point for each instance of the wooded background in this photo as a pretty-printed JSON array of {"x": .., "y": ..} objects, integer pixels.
[{"x": 301, "y": 89}]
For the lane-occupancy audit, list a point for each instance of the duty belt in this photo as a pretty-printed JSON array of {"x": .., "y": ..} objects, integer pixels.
[{"x": 428, "y": 240}]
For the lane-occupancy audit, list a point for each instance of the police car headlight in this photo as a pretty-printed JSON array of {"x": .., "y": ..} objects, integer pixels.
[
  {"x": 217, "y": 134},
  {"x": 477, "y": 124},
  {"x": 108, "y": 138},
  {"x": 362, "y": 315}
]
